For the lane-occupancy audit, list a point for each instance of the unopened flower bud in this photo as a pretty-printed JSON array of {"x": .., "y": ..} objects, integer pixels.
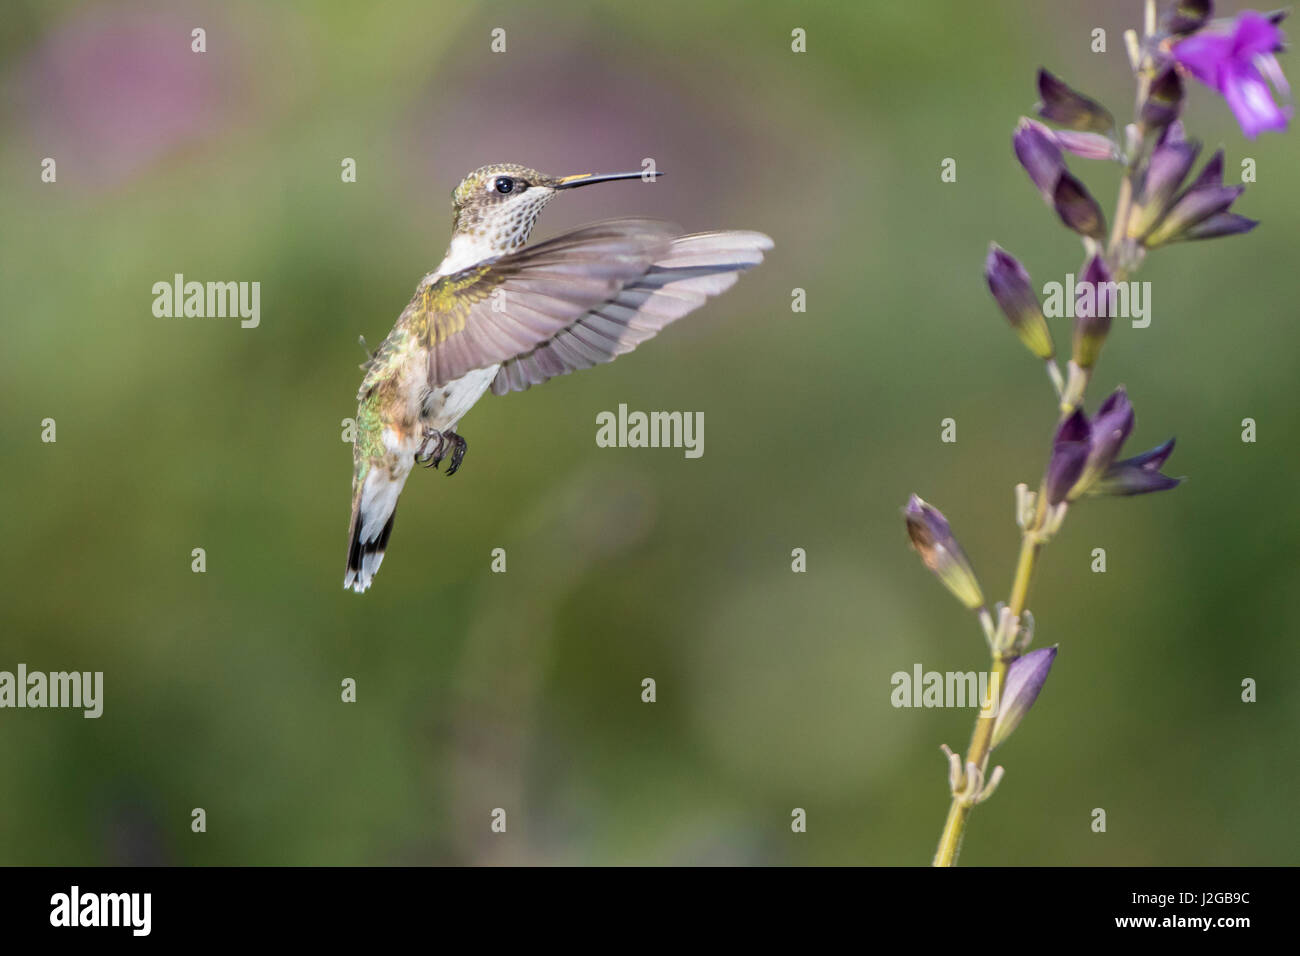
[
  {"x": 1010, "y": 285},
  {"x": 1188, "y": 16},
  {"x": 1069, "y": 453},
  {"x": 1066, "y": 107},
  {"x": 933, "y": 540},
  {"x": 1025, "y": 678},
  {"x": 1092, "y": 312},
  {"x": 1077, "y": 209},
  {"x": 1164, "y": 99},
  {"x": 1038, "y": 152}
]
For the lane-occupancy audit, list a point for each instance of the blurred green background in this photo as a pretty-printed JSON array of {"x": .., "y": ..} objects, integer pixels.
[{"x": 522, "y": 690}]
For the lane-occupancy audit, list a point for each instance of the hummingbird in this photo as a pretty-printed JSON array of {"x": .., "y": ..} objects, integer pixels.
[{"x": 501, "y": 314}]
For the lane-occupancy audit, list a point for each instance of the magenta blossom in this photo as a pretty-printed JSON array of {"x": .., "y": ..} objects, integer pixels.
[{"x": 1235, "y": 62}]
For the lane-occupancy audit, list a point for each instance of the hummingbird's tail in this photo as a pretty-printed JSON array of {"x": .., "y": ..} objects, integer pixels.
[{"x": 374, "y": 505}]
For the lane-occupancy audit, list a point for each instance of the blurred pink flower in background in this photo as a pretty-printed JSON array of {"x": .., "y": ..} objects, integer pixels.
[
  {"x": 109, "y": 93},
  {"x": 1235, "y": 61}
]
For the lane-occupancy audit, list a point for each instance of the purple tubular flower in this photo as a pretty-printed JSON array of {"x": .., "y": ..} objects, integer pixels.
[
  {"x": 1077, "y": 209},
  {"x": 1173, "y": 133},
  {"x": 932, "y": 538},
  {"x": 1153, "y": 459},
  {"x": 1166, "y": 171},
  {"x": 1066, "y": 107},
  {"x": 1083, "y": 456},
  {"x": 1138, "y": 475},
  {"x": 1011, "y": 287},
  {"x": 1235, "y": 62},
  {"x": 1038, "y": 152},
  {"x": 1211, "y": 173},
  {"x": 1107, "y": 433},
  {"x": 1025, "y": 678},
  {"x": 1092, "y": 312},
  {"x": 1191, "y": 209},
  {"x": 1199, "y": 212},
  {"x": 1070, "y": 451},
  {"x": 1220, "y": 224}
]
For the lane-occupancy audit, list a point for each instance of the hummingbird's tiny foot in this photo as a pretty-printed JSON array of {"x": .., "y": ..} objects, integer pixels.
[
  {"x": 431, "y": 455},
  {"x": 458, "y": 453}
]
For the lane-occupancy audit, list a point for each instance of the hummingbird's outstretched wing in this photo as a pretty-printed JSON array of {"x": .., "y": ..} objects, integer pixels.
[
  {"x": 680, "y": 280},
  {"x": 564, "y": 304},
  {"x": 507, "y": 306}
]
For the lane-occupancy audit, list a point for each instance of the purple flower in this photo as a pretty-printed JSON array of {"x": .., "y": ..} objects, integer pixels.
[
  {"x": 1137, "y": 475},
  {"x": 1235, "y": 61},
  {"x": 1093, "y": 311},
  {"x": 1010, "y": 285},
  {"x": 1025, "y": 678},
  {"x": 1077, "y": 209},
  {"x": 1106, "y": 436},
  {"x": 1164, "y": 99},
  {"x": 1066, "y": 107},
  {"x": 1169, "y": 166},
  {"x": 1211, "y": 173},
  {"x": 933, "y": 540},
  {"x": 1173, "y": 133},
  {"x": 1084, "y": 453},
  {"x": 1070, "y": 450},
  {"x": 1200, "y": 211},
  {"x": 1038, "y": 152},
  {"x": 1188, "y": 16},
  {"x": 1087, "y": 145}
]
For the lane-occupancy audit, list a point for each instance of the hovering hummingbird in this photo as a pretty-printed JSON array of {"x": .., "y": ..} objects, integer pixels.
[{"x": 498, "y": 314}]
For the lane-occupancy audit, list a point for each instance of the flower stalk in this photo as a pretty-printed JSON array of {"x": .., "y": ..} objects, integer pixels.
[{"x": 1233, "y": 57}]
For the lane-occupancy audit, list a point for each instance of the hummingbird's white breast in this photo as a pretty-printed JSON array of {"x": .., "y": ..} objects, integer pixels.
[
  {"x": 465, "y": 250},
  {"x": 444, "y": 407}
]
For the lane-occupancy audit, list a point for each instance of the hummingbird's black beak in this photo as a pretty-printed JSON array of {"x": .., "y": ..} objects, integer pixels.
[{"x": 586, "y": 179}]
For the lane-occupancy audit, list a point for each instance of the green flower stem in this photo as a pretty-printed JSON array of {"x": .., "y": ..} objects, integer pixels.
[
  {"x": 1031, "y": 543},
  {"x": 964, "y": 799},
  {"x": 954, "y": 827}
]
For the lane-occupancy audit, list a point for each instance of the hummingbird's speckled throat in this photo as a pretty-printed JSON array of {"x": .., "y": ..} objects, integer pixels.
[{"x": 496, "y": 207}]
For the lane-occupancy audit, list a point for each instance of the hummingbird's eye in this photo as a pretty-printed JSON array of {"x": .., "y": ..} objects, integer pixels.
[{"x": 503, "y": 184}]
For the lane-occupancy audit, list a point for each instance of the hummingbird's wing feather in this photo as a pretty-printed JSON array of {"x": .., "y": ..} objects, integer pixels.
[
  {"x": 501, "y": 308},
  {"x": 692, "y": 269}
]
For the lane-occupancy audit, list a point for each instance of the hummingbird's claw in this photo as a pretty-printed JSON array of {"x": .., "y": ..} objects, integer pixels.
[
  {"x": 432, "y": 456},
  {"x": 435, "y": 447},
  {"x": 458, "y": 454}
]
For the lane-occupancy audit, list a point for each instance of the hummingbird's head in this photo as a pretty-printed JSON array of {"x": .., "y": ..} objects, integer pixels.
[{"x": 495, "y": 207}]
